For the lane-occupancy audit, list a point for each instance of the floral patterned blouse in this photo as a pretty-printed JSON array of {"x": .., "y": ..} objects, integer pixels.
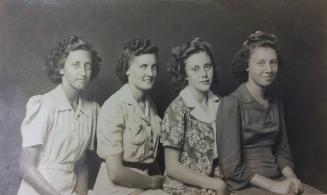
[{"x": 189, "y": 129}]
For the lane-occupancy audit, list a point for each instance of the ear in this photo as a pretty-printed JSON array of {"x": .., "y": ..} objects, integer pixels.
[
  {"x": 61, "y": 71},
  {"x": 127, "y": 73}
]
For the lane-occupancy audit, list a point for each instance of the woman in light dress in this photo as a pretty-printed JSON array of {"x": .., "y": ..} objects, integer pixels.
[
  {"x": 60, "y": 125},
  {"x": 129, "y": 127}
]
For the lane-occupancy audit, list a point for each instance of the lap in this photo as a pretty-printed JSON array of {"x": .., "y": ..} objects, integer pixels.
[{"x": 307, "y": 189}]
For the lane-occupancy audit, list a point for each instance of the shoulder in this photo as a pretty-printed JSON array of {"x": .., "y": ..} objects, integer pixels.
[
  {"x": 177, "y": 105},
  {"x": 90, "y": 105}
]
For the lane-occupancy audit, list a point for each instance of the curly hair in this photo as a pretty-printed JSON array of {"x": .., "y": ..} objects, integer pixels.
[
  {"x": 134, "y": 47},
  {"x": 176, "y": 64},
  {"x": 58, "y": 55},
  {"x": 240, "y": 61}
]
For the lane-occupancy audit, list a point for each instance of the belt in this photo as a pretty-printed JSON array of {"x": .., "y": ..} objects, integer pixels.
[{"x": 138, "y": 165}]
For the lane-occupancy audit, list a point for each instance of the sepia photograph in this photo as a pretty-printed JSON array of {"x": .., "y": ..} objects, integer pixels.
[{"x": 155, "y": 97}]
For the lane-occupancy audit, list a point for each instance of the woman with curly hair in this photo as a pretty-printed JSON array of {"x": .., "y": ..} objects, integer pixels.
[
  {"x": 188, "y": 128},
  {"x": 253, "y": 150},
  {"x": 60, "y": 125},
  {"x": 129, "y": 127}
]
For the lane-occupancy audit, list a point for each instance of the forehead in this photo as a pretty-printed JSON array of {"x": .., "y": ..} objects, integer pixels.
[
  {"x": 79, "y": 55},
  {"x": 262, "y": 52},
  {"x": 144, "y": 59},
  {"x": 199, "y": 58}
]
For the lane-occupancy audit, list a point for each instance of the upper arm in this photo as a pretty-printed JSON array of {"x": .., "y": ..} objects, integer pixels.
[
  {"x": 172, "y": 156},
  {"x": 229, "y": 143},
  {"x": 110, "y": 129},
  {"x": 35, "y": 124},
  {"x": 173, "y": 126},
  {"x": 29, "y": 158}
]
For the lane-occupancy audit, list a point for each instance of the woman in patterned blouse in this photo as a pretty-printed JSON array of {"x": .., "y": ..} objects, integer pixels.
[{"x": 188, "y": 133}]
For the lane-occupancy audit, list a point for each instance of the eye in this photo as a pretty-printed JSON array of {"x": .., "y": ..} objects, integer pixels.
[
  {"x": 195, "y": 69},
  {"x": 143, "y": 66},
  {"x": 154, "y": 67},
  {"x": 88, "y": 66},
  {"x": 261, "y": 63},
  {"x": 274, "y": 62},
  {"x": 207, "y": 67},
  {"x": 76, "y": 65}
]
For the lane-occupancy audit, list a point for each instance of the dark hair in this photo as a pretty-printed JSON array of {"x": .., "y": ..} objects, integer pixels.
[
  {"x": 176, "y": 64},
  {"x": 56, "y": 59},
  {"x": 134, "y": 47},
  {"x": 240, "y": 61}
]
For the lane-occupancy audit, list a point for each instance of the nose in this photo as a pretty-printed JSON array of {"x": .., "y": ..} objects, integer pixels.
[
  {"x": 204, "y": 73},
  {"x": 149, "y": 71},
  {"x": 83, "y": 71},
  {"x": 268, "y": 68}
]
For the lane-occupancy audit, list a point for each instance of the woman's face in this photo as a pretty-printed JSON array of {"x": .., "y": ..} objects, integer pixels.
[
  {"x": 142, "y": 71},
  {"x": 263, "y": 66},
  {"x": 76, "y": 72},
  {"x": 199, "y": 71}
]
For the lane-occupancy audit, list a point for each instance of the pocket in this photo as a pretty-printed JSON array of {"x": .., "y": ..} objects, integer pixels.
[{"x": 135, "y": 133}]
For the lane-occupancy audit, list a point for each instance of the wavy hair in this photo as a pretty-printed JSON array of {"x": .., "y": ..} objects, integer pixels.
[
  {"x": 134, "y": 47},
  {"x": 240, "y": 61},
  {"x": 176, "y": 64},
  {"x": 58, "y": 55}
]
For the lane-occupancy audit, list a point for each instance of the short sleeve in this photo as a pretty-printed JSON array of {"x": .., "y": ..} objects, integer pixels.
[
  {"x": 110, "y": 129},
  {"x": 35, "y": 124},
  {"x": 173, "y": 125},
  {"x": 95, "y": 114}
]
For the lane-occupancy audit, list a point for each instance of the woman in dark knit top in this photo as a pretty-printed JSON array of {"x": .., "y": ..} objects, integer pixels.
[{"x": 251, "y": 136}]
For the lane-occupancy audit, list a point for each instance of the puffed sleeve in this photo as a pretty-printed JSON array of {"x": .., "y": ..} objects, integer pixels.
[
  {"x": 235, "y": 172},
  {"x": 35, "y": 124},
  {"x": 282, "y": 151},
  {"x": 173, "y": 126},
  {"x": 110, "y": 129},
  {"x": 95, "y": 113}
]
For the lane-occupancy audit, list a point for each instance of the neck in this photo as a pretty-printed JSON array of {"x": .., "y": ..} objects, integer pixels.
[
  {"x": 255, "y": 90},
  {"x": 72, "y": 94},
  {"x": 199, "y": 96},
  {"x": 138, "y": 94}
]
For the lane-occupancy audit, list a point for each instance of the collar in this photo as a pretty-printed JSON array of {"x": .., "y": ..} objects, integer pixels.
[
  {"x": 247, "y": 98},
  {"x": 126, "y": 96},
  {"x": 63, "y": 104},
  {"x": 197, "y": 111}
]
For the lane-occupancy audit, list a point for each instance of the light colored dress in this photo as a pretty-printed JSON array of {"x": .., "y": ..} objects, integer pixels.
[
  {"x": 124, "y": 129},
  {"x": 192, "y": 131},
  {"x": 64, "y": 136}
]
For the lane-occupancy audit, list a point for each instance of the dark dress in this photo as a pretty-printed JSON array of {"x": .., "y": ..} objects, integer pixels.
[{"x": 251, "y": 139}]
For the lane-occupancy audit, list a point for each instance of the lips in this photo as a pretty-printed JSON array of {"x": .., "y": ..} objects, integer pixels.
[{"x": 205, "y": 82}]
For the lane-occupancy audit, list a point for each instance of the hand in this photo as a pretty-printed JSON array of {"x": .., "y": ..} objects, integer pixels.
[
  {"x": 157, "y": 181},
  {"x": 220, "y": 187},
  {"x": 298, "y": 187},
  {"x": 283, "y": 187}
]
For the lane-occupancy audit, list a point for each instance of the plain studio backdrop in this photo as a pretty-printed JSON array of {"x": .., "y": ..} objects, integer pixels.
[{"x": 29, "y": 29}]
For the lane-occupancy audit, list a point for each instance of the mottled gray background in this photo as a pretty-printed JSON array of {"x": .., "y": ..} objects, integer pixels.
[{"x": 29, "y": 29}]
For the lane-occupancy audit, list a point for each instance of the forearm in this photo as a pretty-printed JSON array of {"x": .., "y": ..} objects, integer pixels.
[
  {"x": 288, "y": 172},
  {"x": 130, "y": 178},
  {"x": 82, "y": 180},
  {"x": 32, "y": 176},
  {"x": 30, "y": 173},
  {"x": 189, "y": 176},
  {"x": 262, "y": 182}
]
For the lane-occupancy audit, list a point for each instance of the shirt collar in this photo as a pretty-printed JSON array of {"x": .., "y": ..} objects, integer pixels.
[
  {"x": 246, "y": 97},
  {"x": 197, "y": 111},
  {"x": 127, "y": 97},
  {"x": 63, "y": 104}
]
